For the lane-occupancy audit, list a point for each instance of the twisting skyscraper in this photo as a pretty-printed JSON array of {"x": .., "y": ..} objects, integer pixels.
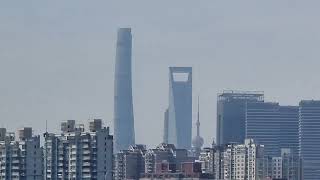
[
  {"x": 179, "y": 125},
  {"x": 123, "y": 105}
]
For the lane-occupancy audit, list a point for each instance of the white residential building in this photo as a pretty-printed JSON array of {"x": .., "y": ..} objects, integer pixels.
[
  {"x": 20, "y": 159},
  {"x": 240, "y": 161},
  {"x": 77, "y": 154}
]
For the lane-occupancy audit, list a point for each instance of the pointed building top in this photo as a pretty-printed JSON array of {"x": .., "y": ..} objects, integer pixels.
[{"x": 197, "y": 141}]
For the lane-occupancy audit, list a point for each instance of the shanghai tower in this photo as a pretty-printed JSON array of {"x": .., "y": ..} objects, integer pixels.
[{"x": 123, "y": 105}]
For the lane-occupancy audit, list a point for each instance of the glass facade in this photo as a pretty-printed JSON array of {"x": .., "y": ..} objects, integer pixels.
[
  {"x": 231, "y": 106},
  {"x": 124, "y": 135},
  {"x": 180, "y": 107},
  {"x": 309, "y": 139}
]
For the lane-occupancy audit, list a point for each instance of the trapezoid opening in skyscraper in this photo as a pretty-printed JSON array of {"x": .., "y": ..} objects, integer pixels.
[{"x": 178, "y": 128}]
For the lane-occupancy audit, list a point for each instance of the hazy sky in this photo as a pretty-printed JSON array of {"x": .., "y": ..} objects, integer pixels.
[{"x": 57, "y": 57}]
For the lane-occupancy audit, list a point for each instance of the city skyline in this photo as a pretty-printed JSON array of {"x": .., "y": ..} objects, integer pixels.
[{"x": 58, "y": 66}]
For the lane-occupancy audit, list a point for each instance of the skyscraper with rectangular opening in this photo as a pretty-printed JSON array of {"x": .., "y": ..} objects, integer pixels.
[
  {"x": 123, "y": 105},
  {"x": 180, "y": 107}
]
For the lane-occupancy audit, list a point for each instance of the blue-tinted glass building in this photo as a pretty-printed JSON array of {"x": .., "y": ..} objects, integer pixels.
[
  {"x": 272, "y": 125},
  {"x": 179, "y": 117},
  {"x": 231, "y": 115},
  {"x": 309, "y": 138},
  {"x": 289, "y": 128},
  {"x": 124, "y": 135}
]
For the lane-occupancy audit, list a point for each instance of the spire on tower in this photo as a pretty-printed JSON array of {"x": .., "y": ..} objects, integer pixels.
[{"x": 197, "y": 141}]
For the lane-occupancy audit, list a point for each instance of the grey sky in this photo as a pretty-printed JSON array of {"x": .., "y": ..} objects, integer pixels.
[{"x": 57, "y": 57}]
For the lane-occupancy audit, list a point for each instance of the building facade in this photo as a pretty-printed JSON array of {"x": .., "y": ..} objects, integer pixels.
[
  {"x": 262, "y": 124},
  {"x": 231, "y": 108},
  {"x": 309, "y": 135},
  {"x": 21, "y": 157},
  {"x": 234, "y": 161},
  {"x": 124, "y": 134},
  {"x": 130, "y": 164},
  {"x": 180, "y": 107},
  {"x": 207, "y": 160},
  {"x": 272, "y": 125},
  {"x": 77, "y": 154}
]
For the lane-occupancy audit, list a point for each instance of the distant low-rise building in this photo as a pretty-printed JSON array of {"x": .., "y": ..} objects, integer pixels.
[
  {"x": 206, "y": 158},
  {"x": 164, "y": 161},
  {"x": 234, "y": 161},
  {"x": 129, "y": 164},
  {"x": 165, "y": 158},
  {"x": 286, "y": 166}
]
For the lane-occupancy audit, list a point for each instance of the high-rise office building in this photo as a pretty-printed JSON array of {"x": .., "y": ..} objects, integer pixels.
[
  {"x": 180, "y": 107},
  {"x": 124, "y": 135},
  {"x": 272, "y": 125},
  {"x": 21, "y": 158},
  {"x": 231, "y": 108},
  {"x": 262, "y": 125},
  {"x": 289, "y": 129},
  {"x": 309, "y": 138},
  {"x": 77, "y": 154}
]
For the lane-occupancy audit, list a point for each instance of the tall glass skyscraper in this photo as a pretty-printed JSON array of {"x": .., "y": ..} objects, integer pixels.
[
  {"x": 179, "y": 127},
  {"x": 289, "y": 128},
  {"x": 272, "y": 125},
  {"x": 231, "y": 108},
  {"x": 124, "y": 135},
  {"x": 309, "y": 138},
  {"x": 262, "y": 125}
]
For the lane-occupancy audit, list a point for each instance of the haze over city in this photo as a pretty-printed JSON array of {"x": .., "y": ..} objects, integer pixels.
[{"x": 57, "y": 58}]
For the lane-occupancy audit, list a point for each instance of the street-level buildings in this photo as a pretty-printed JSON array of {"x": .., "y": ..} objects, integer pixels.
[
  {"x": 234, "y": 161},
  {"x": 285, "y": 166},
  {"x": 163, "y": 161},
  {"x": 130, "y": 164}
]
